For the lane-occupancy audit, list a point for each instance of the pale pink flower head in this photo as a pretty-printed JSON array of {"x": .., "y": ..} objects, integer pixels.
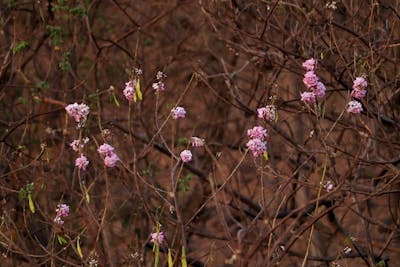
[
  {"x": 268, "y": 112},
  {"x": 360, "y": 83},
  {"x": 160, "y": 75},
  {"x": 358, "y": 93},
  {"x": 159, "y": 86},
  {"x": 257, "y": 132},
  {"x": 111, "y": 160},
  {"x": 309, "y": 64},
  {"x": 157, "y": 238},
  {"x": 77, "y": 144},
  {"x": 58, "y": 220},
  {"x": 178, "y": 112},
  {"x": 105, "y": 150},
  {"x": 78, "y": 112},
  {"x": 310, "y": 79},
  {"x": 186, "y": 156},
  {"x": 257, "y": 147},
  {"x": 62, "y": 210},
  {"x": 329, "y": 186},
  {"x": 81, "y": 162},
  {"x": 196, "y": 141},
  {"x": 130, "y": 90},
  {"x": 308, "y": 97},
  {"x": 319, "y": 90},
  {"x": 354, "y": 107}
]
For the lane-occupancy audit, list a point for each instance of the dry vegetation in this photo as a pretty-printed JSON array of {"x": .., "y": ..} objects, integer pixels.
[{"x": 223, "y": 60}]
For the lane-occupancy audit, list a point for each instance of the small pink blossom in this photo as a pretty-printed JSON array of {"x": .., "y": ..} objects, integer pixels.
[
  {"x": 358, "y": 93},
  {"x": 268, "y": 112},
  {"x": 257, "y": 132},
  {"x": 329, "y": 186},
  {"x": 186, "y": 156},
  {"x": 160, "y": 75},
  {"x": 159, "y": 86},
  {"x": 77, "y": 144},
  {"x": 308, "y": 97},
  {"x": 130, "y": 90},
  {"x": 257, "y": 147},
  {"x": 81, "y": 162},
  {"x": 310, "y": 79},
  {"x": 178, "y": 112},
  {"x": 319, "y": 90},
  {"x": 78, "y": 112},
  {"x": 360, "y": 84},
  {"x": 62, "y": 212},
  {"x": 105, "y": 150},
  {"x": 157, "y": 238},
  {"x": 196, "y": 141},
  {"x": 111, "y": 160},
  {"x": 354, "y": 107},
  {"x": 309, "y": 64}
]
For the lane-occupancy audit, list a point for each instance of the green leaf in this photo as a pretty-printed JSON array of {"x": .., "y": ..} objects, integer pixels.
[
  {"x": 382, "y": 263},
  {"x": 21, "y": 194},
  {"x": 87, "y": 196},
  {"x": 183, "y": 258},
  {"x": 31, "y": 204},
  {"x": 78, "y": 248},
  {"x": 266, "y": 155},
  {"x": 116, "y": 100},
  {"x": 19, "y": 47},
  {"x": 170, "y": 262},
  {"x": 61, "y": 240},
  {"x": 138, "y": 92}
]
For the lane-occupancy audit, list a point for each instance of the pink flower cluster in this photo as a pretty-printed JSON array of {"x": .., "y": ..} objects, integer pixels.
[
  {"x": 316, "y": 89},
  {"x": 196, "y": 141},
  {"x": 358, "y": 92},
  {"x": 354, "y": 107},
  {"x": 157, "y": 238},
  {"x": 186, "y": 156},
  {"x": 130, "y": 90},
  {"x": 62, "y": 212},
  {"x": 159, "y": 86},
  {"x": 257, "y": 144},
  {"x": 82, "y": 162},
  {"x": 359, "y": 86},
  {"x": 110, "y": 158},
  {"x": 178, "y": 112},
  {"x": 78, "y": 112},
  {"x": 78, "y": 144},
  {"x": 268, "y": 112},
  {"x": 329, "y": 186}
]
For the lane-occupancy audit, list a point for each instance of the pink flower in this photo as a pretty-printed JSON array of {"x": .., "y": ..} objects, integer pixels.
[
  {"x": 111, "y": 160},
  {"x": 354, "y": 107},
  {"x": 310, "y": 79},
  {"x": 178, "y": 112},
  {"x": 257, "y": 132},
  {"x": 58, "y": 220},
  {"x": 160, "y": 75},
  {"x": 159, "y": 86},
  {"x": 308, "y": 97},
  {"x": 76, "y": 144},
  {"x": 186, "y": 156},
  {"x": 130, "y": 90},
  {"x": 105, "y": 150},
  {"x": 62, "y": 212},
  {"x": 268, "y": 112},
  {"x": 329, "y": 186},
  {"x": 157, "y": 238},
  {"x": 257, "y": 147},
  {"x": 78, "y": 112},
  {"x": 309, "y": 64},
  {"x": 359, "y": 84},
  {"x": 81, "y": 162},
  {"x": 358, "y": 93},
  {"x": 319, "y": 90},
  {"x": 196, "y": 141}
]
